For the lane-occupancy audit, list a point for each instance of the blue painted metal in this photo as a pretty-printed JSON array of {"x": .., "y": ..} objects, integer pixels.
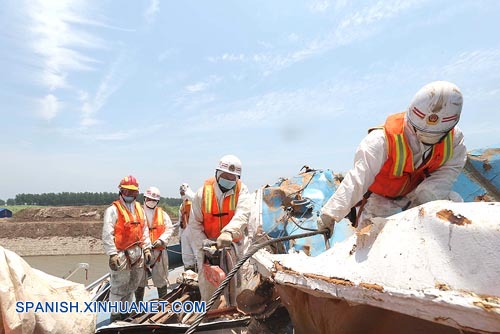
[
  {"x": 486, "y": 162},
  {"x": 310, "y": 189}
]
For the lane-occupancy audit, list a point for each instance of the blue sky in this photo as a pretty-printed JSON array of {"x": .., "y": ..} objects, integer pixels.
[{"x": 94, "y": 90}]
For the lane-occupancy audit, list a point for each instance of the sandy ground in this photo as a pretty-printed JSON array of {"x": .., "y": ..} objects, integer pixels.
[{"x": 55, "y": 231}]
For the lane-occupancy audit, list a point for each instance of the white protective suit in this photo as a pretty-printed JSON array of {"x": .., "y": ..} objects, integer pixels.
[
  {"x": 188, "y": 252},
  {"x": 197, "y": 231},
  {"x": 159, "y": 258},
  {"x": 368, "y": 161},
  {"x": 125, "y": 281}
]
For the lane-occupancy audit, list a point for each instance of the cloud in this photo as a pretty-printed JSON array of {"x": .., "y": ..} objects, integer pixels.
[
  {"x": 152, "y": 11},
  {"x": 49, "y": 107},
  {"x": 109, "y": 84},
  {"x": 353, "y": 27},
  {"x": 319, "y": 6},
  {"x": 57, "y": 40},
  {"x": 474, "y": 62},
  {"x": 203, "y": 85}
]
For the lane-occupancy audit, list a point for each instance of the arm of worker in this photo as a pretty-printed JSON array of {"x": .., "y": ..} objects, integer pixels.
[
  {"x": 169, "y": 229},
  {"x": 196, "y": 221},
  {"x": 108, "y": 230},
  {"x": 242, "y": 214},
  {"x": 439, "y": 184},
  {"x": 368, "y": 161}
]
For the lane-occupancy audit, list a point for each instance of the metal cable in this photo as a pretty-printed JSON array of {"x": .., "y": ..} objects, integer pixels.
[{"x": 233, "y": 271}]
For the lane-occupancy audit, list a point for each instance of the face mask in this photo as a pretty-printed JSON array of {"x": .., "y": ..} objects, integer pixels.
[
  {"x": 429, "y": 138},
  {"x": 151, "y": 204},
  {"x": 226, "y": 184},
  {"x": 128, "y": 199}
]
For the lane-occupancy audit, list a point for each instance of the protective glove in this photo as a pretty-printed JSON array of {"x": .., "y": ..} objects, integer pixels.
[
  {"x": 158, "y": 243},
  {"x": 147, "y": 255},
  {"x": 114, "y": 262},
  {"x": 224, "y": 240},
  {"x": 326, "y": 222}
]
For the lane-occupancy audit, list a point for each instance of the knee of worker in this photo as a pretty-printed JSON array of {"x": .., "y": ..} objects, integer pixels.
[
  {"x": 136, "y": 276},
  {"x": 120, "y": 281}
]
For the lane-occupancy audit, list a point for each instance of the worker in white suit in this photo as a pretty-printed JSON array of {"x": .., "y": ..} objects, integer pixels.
[
  {"x": 160, "y": 230},
  {"x": 125, "y": 237},
  {"x": 414, "y": 158},
  {"x": 213, "y": 207},
  {"x": 188, "y": 252}
]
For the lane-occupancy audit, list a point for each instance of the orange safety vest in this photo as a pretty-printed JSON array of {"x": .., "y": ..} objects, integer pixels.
[
  {"x": 128, "y": 228},
  {"x": 215, "y": 219},
  {"x": 158, "y": 226},
  {"x": 185, "y": 209},
  {"x": 398, "y": 175}
]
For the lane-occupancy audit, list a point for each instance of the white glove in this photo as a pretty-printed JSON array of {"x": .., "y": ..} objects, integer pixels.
[
  {"x": 224, "y": 240},
  {"x": 158, "y": 243},
  {"x": 147, "y": 256},
  {"x": 326, "y": 222}
]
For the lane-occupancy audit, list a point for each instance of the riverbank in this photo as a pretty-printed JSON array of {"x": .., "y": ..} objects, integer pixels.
[{"x": 55, "y": 231}]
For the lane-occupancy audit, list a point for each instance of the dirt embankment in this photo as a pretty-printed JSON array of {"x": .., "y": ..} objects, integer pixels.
[{"x": 54, "y": 231}]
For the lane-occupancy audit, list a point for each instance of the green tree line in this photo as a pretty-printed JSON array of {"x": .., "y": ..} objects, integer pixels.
[{"x": 75, "y": 199}]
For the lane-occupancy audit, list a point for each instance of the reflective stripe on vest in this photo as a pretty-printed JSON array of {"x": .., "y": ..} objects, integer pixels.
[
  {"x": 215, "y": 217},
  {"x": 398, "y": 175},
  {"x": 158, "y": 226},
  {"x": 129, "y": 226}
]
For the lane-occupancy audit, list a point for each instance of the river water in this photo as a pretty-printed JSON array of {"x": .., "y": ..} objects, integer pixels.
[{"x": 62, "y": 265}]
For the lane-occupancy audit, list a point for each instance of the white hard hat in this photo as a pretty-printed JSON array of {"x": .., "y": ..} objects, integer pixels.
[
  {"x": 153, "y": 193},
  {"x": 186, "y": 189},
  {"x": 436, "y": 107},
  {"x": 230, "y": 164}
]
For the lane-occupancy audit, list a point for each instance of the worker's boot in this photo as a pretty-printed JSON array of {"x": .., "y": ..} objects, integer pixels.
[
  {"x": 162, "y": 292},
  {"x": 139, "y": 294}
]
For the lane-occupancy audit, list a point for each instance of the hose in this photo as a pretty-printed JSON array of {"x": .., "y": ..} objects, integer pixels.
[{"x": 233, "y": 271}]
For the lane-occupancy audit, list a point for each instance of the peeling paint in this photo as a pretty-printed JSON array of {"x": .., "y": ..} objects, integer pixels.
[
  {"x": 372, "y": 286},
  {"x": 442, "y": 286},
  {"x": 452, "y": 218}
]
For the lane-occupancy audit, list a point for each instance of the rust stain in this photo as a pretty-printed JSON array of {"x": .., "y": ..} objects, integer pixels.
[
  {"x": 421, "y": 212},
  {"x": 307, "y": 249},
  {"x": 365, "y": 230},
  {"x": 442, "y": 286},
  {"x": 372, "y": 286},
  {"x": 452, "y": 218},
  {"x": 488, "y": 307},
  {"x": 353, "y": 250},
  {"x": 486, "y": 166},
  {"x": 483, "y": 198},
  {"x": 333, "y": 280}
]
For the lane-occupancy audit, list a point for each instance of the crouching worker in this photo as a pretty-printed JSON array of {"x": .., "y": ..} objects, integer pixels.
[
  {"x": 160, "y": 231},
  {"x": 125, "y": 238},
  {"x": 414, "y": 158}
]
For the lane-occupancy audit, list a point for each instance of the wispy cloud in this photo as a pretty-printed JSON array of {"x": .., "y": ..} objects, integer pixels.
[
  {"x": 353, "y": 27},
  {"x": 49, "y": 107},
  {"x": 319, "y": 5},
  {"x": 56, "y": 37},
  {"x": 109, "y": 84},
  {"x": 203, "y": 85},
  {"x": 473, "y": 62},
  {"x": 152, "y": 11}
]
